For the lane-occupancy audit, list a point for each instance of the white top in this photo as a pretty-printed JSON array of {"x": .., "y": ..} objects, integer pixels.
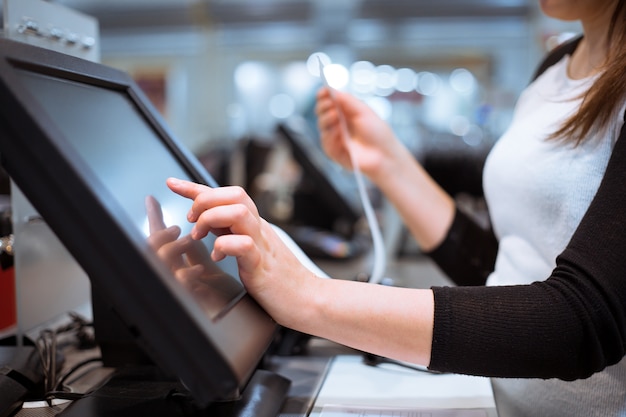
[{"x": 537, "y": 191}]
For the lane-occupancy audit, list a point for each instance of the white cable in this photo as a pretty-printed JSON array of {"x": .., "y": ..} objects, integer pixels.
[
  {"x": 296, "y": 250},
  {"x": 379, "y": 266}
]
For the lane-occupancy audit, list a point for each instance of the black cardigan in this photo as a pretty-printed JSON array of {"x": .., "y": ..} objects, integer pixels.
[{"x": 569, "y": 326}]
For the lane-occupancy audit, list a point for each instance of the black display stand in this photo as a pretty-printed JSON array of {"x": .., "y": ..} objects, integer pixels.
[
  {"x": 145, "y": 391},
  {"x": 139, "y": 387}
]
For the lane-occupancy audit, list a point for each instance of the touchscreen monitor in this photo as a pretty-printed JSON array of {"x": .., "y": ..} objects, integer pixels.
[{"x": 92, "y": 156}]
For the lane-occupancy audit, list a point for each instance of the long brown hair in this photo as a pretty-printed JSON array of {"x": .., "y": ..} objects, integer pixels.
[{"x": 608, "y": 91}]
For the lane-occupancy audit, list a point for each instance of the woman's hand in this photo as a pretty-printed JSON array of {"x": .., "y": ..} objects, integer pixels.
[
  {"x": 371, "y": 140},
  {"x": 268, "y": 269},
  {"x": 389, "y": 321},
  {"x": 426, "y": 209}
]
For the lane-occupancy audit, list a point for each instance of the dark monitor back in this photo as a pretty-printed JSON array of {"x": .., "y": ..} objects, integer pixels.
[
  {"x": 328, "y": 195},
  {"x": 92, "y": 156}
]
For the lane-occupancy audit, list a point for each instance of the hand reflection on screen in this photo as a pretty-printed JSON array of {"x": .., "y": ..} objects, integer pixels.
[{"x": 190, "y": 263}]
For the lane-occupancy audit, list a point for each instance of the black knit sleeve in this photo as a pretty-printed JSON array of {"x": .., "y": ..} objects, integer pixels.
[
  {"x": 468, "y": 253},
  {"x": 569, "y": 326}
]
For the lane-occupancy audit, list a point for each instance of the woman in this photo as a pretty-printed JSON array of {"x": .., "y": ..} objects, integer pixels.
[{"x": 551, "y": 324}]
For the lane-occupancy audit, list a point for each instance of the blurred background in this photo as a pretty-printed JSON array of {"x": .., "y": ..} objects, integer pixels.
[
  {"x": 236, "y": 80},
  {"x": 223, "y": 69}
]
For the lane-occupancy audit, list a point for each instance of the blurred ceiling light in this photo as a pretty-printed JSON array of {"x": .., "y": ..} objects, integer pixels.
[
  {"x": 313, "y": 64},
  {"x": 337, "y": 76},
  {"x": 459, "y": 125},
  {"x": 282, "y": 106},
  {"x": 428, "y": 83},
  {"x": 297, "y": 79},
  {"x": 462, "y": 81},
  {"x": 405, "y": 80},
  {"x": 474, "y": 136},
  {"x": 385, "y": 80},
  {"x": 251, "y": 77},
  {"x": 363, "y": 76}
]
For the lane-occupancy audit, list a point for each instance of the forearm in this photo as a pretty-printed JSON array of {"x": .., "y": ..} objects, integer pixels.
[
  {"x": 388, "y": 321},
  {"x": 565, "y": 327},
  {"x": 426, "y": 209}
]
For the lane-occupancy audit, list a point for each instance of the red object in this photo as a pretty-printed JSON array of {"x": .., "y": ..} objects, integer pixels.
[{"x": 8, "y": 307}]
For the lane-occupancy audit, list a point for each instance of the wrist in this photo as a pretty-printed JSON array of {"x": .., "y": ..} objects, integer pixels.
[
  {"x": 305, "y": 302},
  {"x": 391, "y": 164}
]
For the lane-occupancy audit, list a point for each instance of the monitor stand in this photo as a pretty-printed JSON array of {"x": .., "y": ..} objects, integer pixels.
[
  {"x": 139, "y": 387},
  {"x": 145, "y": 391}
]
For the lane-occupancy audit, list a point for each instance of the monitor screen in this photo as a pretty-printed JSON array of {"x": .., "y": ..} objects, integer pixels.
[{"x": 90, "y": 153}]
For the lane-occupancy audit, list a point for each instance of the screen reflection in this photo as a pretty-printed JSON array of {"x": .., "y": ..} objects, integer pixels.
[{"x": 190, "y": 263}]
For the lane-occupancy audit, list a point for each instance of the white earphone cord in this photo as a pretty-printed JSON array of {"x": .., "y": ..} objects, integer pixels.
[{"x": 379, "y": 266}]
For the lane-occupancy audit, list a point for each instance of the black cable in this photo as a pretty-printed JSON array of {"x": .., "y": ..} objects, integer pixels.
[
  {"x": 375, "y": 360},
  {"x": 61, "y": 380},
  {"x": 42, "y": 345},
  {"x": 63, "y": 395},
  {"x": 53, "y": 361},
  {"x": 47, "y": 346}
]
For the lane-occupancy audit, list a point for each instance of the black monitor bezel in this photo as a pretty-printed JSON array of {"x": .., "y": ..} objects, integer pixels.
[{"x": 53, "y": 180}]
